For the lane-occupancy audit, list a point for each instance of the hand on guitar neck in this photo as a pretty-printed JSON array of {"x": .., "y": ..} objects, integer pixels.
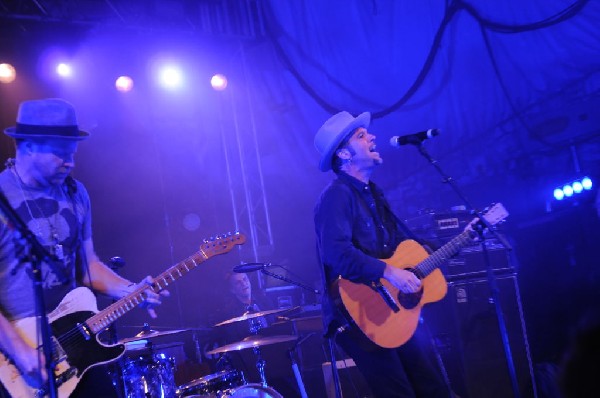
[
  {"x": 151, "y": 298},
  {"x": 401, "y": 279}
]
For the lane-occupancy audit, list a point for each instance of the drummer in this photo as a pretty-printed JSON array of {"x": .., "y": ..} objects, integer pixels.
[{"x": 240, "y": 301}]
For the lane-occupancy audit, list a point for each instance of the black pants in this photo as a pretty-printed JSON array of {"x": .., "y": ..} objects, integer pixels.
[{"x": 405, "y": 372}]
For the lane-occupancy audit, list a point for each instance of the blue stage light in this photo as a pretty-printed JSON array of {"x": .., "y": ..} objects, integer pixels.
[
  {"x": 568, "y": 190},
  {"x": 586, "y": 182},
  {"x": 577, "y": 187},
  {"x": 559, "y": 194}
]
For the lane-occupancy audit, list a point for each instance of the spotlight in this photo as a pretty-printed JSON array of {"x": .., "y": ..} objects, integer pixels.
[
  {"x": 559, "y": 194},
  {"x": 64, "y": 70},
  {"x": 218, "y": 82},
  {"x": 571, "y": 193},
  {"x": 124, "y": 83},
  {"x": 171, "y": 77},
  {"x": 568, "y": 190},
  {"x": 586, "y": 183},
  {"x": 8, "y": 74}
]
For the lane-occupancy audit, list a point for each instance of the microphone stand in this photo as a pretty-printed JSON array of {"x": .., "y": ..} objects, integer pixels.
[
  {"x": 115, "y": 263},
  {"x": 490, "y": 272},
  {"x": 295, "y": 369},
  {"x": 36, "y": 255},
  {"x": 285, "y": 279}
]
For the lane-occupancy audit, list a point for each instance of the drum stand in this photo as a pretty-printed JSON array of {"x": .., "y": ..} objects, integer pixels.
[
  {"x": 260, "y": 366},
  {"x": 297, "y": 374}
]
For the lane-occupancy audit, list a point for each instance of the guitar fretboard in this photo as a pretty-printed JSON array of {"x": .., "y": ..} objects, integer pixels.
[
  {"x": 104, "y": 318},
  {"x": 428, "y": 265},
  {"x": 116, "y": 310}
]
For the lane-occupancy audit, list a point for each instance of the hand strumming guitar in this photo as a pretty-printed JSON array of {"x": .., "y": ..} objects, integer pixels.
[{"x": 403, "y": 280}]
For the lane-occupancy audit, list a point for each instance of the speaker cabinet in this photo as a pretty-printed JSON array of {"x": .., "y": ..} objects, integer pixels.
[
  {"x": 352, "y": 381},
  {"x": 464, "y": 328}
]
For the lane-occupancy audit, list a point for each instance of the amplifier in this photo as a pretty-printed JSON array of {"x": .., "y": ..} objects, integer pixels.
[
  {"x": 434, "y": 225},
  {"x": 471, "y": 262}
]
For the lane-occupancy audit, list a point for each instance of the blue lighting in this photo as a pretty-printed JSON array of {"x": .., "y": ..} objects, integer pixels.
[
  {"x": 568, "y": 190},
  {"x": 572, "y": 192},
  {"x": 559, "y": 194},
  {"x": 586, "y": 182}
]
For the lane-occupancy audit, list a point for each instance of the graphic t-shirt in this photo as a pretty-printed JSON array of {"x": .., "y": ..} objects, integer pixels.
[{"x": 60, "y": 220}]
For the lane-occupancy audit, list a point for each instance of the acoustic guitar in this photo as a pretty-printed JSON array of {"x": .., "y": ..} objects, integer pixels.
[{"x": 389, "y": 317}]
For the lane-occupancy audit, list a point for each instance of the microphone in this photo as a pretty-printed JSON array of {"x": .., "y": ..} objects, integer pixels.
[
  {"x": 414, "y": 139},
  {"x": 249, "y": 267}
]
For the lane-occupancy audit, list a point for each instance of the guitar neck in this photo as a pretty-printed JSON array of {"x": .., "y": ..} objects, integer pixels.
[
  {"x": 438, "y": 257},
  {"x": 104, "y": 318}
]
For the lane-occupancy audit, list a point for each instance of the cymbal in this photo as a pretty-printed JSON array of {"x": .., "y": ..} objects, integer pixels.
[
  {"x": 251, "y": 342},
  {"x": 250, "y": 315},
  {"x": 149, "y": 333}
]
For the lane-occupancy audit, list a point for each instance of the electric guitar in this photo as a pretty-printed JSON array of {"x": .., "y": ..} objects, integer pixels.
[
  {"x": 389, "y": 317},
  {"x": 76, "y": 323}
]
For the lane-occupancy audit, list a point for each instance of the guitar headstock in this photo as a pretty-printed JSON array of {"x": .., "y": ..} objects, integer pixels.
[
  {"x": 492, "y": 216},
  {"x": 495, "y": 214},
  {"x": 222, "y": 243}
]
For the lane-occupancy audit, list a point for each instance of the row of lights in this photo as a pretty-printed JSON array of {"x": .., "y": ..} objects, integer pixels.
[
  {"x": 169, "y": 76},
  {"x": 573, "y": 188}
]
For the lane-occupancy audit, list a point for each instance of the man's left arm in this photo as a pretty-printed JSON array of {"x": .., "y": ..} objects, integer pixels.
[{"x": 104, "y": 280}]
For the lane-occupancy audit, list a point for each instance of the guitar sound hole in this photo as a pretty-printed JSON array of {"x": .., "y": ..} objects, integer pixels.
[{"x": 410, "y": 300}]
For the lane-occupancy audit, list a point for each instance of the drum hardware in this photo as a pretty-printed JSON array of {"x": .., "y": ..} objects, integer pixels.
[
  {"x": 148, "y": 376},
  {"x": 253, "y": 390},
  {"x": 251, "y": 315},
  {"x": 254, "y": 342},
  {"x": 148, "y": 333},
  {"x": 291, "y": 355},
  {"x": 214, "y": 385}
]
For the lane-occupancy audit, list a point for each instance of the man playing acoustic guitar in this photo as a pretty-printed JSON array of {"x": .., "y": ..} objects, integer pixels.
[
  {"x": 355, "y": 229},
  {"x": 56, "y": 208}
]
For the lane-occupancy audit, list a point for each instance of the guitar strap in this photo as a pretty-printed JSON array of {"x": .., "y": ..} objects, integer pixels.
[{"x": 80, "y": 267}]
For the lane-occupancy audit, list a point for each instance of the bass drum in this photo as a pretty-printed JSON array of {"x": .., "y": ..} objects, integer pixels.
[
  {"x": 211, "y": 386},
  {"x": 254, "y": 391}
]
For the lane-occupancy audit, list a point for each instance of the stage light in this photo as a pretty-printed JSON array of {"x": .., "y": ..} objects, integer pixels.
[
  {"x": 64, "y": 70},
  {"x": 586, "y": 183},
  {"x": 124, "y": 83},
  {"x": 8, "y": 74},
  {"x": 568, "y": 190},
  {"x": 171, "y": 77},
  {"x": 559, "y": 194},
  {"x": 218, "y": 82},
  {"x": 570, "y": 194}
]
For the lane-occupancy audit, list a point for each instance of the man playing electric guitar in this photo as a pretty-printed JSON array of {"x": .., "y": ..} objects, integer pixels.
[
  {"x": 355, "y": 229},
  {"x": 56, "y": 208}
]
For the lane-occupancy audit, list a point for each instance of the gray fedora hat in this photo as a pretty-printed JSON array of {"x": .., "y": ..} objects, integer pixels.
[
  {"x": 46, "y": 118},
  {"x": 334, "y": 131}
]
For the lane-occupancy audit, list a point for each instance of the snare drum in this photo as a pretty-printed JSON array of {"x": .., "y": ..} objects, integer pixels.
[
  {"x": 149, "y": 376},
  {"x": 213, "y": 385},
  {"x": 254, "y": 391}
]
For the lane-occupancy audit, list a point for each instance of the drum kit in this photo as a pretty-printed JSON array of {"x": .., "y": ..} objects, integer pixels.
[{"x": 146, "y": 372}]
